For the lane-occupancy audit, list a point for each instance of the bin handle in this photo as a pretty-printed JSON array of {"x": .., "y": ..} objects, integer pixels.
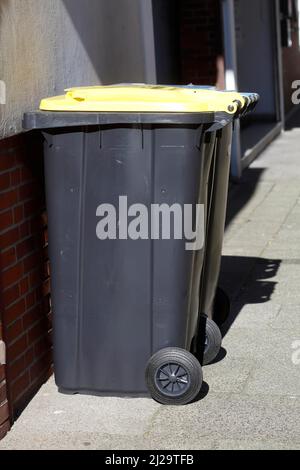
[{"x": 250, "y": 102}]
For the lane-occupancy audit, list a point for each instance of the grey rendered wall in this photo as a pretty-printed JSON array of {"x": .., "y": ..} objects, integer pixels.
[{"x": 49, "y": 45}]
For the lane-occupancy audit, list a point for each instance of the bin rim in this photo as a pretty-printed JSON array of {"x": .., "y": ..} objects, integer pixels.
[{"x": 60, "y": 119}]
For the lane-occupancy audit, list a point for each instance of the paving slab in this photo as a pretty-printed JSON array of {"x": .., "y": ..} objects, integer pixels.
[
  {"x": 274, "y": 376},
  {"x": 255, "y": 316},
  {"x": 260, "y": 343},
  {"x": 256, "y": 444},
  {"x": 230, "y": 375},
  {"x": 222, "y": 416},
  {"x": 288, "y": 318}
]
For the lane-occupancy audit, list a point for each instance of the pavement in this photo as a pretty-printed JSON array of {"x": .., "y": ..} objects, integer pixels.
[{"x": 251, "y": 395}]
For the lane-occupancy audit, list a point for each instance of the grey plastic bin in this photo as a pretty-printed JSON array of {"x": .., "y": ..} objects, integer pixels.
[{"x": 123, "y": 307}]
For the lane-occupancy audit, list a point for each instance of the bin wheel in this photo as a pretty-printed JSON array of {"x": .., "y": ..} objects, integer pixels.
[
  {"x": 213, "y": 341},
  {"x": 173, "y": 376}
]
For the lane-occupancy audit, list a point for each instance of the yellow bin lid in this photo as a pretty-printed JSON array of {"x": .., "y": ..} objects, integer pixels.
[{"x": 145, "y": 98}]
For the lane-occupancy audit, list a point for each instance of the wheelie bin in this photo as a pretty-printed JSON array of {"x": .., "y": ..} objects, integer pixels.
[{"x": 129, "y": 296}]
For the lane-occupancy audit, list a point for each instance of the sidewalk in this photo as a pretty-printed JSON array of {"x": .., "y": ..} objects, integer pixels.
[{"x": 251, "y": 398}]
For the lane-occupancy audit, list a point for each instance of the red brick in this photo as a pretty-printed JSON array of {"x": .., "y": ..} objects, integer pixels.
[
  {"x": 24, "y": 229},
  {"x": 37, "y": 224},
  {"x": 40, "y": 329},
  {"x": 41, "y": 366},
  {"x": 43, "y": 345},
  {"x": 33, "y": 261},
  {"x": 10, "y": 295},
  {"x": 18, "y": 214},
  {"x": 24, "y": 286},
  {"x": 4, "y": 180},
  {"x": 47, "y": 269},
  {"x": 4, "y": 428},
  {"x": 12, "y": 275},
  {"x": 30, "y": 300},
  {"x": 20, "y": 386},
  {"x": 17, "y": 368},
  {"x": 13, "y": 331},
  {"x": 46, "y": 304},
  {"x": 3, "y": 394},
  {"x": 7, "y": 258},
  {"x": 29, "y": 356},
  {"x": 46, "y": 238},
  {"x": 50, "y": 371},
  {"x": 46, "y": 248},
  {"x": 49, "y": 322},
  {"x": 25, "y": 247},
  {"x": 6, "y": 219},
  {"x": 32, "y": 316},
  {"x": 46, "y": 287},
  {"x": 49, "y": 318},
  {"x": 27, "y": 191},
  {"x": 35, "y": 278},
  {"x": 4, "y": 412},
  {"x": 24, "y": 362},
  {"x": 39, "y": 292},
  {"x": 14, "y": 311},
  {"x": 8, "y": 199},
  {"x": 2, "y": 372},
  {"x": 9, "y": 238},
  {"x": 7, "y": 161},
  {"x": 15, "y": 177},
  {"x": 26, "y": 175},
  {"x": 11, "y": 143},
  {"x": 21, "y": 156},
  {"x": 45, "y": 218},
  {"x": 38, "y": 381},
  {"x": 32, "y": 207},
  {"x": 17, "y": 348}
]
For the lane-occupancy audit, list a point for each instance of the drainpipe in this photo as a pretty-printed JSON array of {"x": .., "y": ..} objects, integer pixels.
[
  {"x": 147, "y": 24},
  {"x": 231, "y": 83}
]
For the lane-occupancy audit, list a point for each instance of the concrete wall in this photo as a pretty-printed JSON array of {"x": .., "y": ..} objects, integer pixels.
[{"x": 48, "y": 45}]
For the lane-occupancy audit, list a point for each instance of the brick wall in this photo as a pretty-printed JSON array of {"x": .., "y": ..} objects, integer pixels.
[
  {"x": 24, "y": 272},
  {"x": 201, "y": 42},
  {"x": 4, "y": 411}
]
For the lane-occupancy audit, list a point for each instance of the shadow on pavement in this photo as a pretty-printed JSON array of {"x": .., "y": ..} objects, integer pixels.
[
  {"x": 222, "y": 354},
  {"x": 240, "y": 193},
  {"x": 203, "y": 392},
  {"x": 247, "y": 280}
]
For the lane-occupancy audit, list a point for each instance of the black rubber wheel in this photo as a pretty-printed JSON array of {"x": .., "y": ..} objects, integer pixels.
[
  {"x": 213, "y": 341},
  {"x": 173, "y": 376}
]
